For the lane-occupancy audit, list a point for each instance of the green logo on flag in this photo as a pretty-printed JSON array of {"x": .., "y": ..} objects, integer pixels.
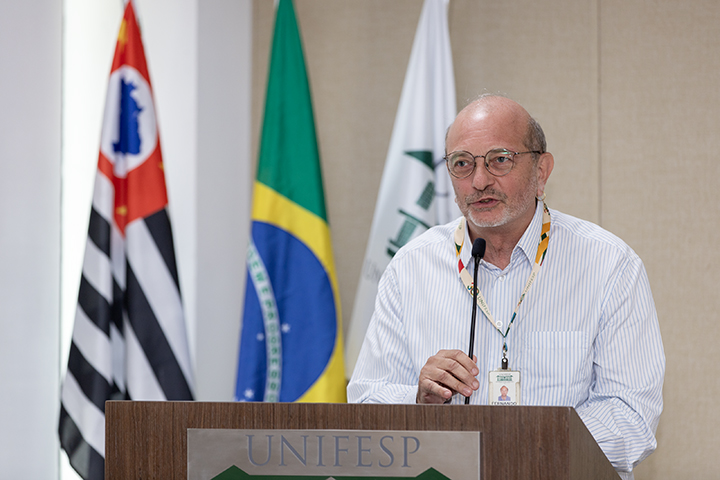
[{"x": 424, "y": 201}]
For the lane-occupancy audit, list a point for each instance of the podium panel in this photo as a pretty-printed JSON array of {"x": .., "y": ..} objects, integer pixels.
[{"x": 149, "y": 439}]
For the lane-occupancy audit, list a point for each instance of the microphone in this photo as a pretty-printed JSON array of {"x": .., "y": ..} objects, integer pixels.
[{"x": 478, "y": 250}]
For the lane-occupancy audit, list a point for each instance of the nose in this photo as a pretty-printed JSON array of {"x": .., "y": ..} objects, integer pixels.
[{"x": 481, "y": 178}]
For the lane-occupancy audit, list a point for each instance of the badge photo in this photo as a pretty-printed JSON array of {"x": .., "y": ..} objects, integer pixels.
[{"x": 504, "y": 387}]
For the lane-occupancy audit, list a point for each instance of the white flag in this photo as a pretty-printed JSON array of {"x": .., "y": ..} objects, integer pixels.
[{"x": 415, "y": 191}]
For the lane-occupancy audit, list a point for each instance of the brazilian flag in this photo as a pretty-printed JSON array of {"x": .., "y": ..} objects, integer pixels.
[{"x": 291, "y": 345}]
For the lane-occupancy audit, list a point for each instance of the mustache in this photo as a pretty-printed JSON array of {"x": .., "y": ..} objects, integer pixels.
[{"x": 487, "y": 193}]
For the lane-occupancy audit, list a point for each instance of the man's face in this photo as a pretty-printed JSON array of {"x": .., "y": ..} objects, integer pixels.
[
  {"x": 503, "y": 391},
  {"x": 485, "y": 200}
]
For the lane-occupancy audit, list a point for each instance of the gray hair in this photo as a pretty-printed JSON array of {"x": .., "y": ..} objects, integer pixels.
[{"x": 535, "y": 137}]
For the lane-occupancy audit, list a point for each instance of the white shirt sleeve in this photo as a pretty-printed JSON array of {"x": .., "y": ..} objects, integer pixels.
[
  {"x": 384, "y": 372},
  {"x": 625, "y": 400}
]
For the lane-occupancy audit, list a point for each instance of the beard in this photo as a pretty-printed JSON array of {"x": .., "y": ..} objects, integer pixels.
[{"x": 508, "y": 209}]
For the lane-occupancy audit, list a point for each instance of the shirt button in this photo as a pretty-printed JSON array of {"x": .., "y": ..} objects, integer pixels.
[
  {"x": 501, "y": 278},
  {"x": 499, "y": 324}
]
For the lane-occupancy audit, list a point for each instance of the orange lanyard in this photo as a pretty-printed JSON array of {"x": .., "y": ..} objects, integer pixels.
[{"x": 467, "y": 279}]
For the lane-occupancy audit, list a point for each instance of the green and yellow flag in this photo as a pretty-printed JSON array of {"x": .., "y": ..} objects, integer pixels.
[{"x": 291, "y": 345}]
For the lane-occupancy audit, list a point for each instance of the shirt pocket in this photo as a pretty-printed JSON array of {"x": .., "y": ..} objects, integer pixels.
[{"x": 558, "y": 367}]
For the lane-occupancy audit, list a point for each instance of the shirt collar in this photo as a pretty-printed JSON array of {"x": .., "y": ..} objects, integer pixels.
[{"x": 528, "y": 243}]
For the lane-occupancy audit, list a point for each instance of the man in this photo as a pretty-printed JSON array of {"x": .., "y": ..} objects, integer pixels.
[
  {"x": 564, "y": 303},
  {"x": 504, "y": 395}
]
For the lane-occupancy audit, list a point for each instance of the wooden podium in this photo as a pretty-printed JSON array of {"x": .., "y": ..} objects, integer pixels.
[{"x": 148, "y": 440}]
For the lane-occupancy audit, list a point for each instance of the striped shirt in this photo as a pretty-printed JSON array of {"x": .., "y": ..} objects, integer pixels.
[{"x": 586, "y": 334}]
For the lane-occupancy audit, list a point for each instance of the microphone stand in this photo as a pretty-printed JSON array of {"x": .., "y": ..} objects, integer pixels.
[{"x": 478, "y": 251}]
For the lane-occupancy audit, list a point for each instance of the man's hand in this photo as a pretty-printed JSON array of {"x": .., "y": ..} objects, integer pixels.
[{"x": 446, "y": 373}]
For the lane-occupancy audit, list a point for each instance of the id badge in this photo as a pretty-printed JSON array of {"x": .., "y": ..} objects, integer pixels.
[{"x": 504, "y": 387}]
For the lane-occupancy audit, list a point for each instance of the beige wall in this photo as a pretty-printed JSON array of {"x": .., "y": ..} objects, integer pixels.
[{"x": 628, "y": 92}]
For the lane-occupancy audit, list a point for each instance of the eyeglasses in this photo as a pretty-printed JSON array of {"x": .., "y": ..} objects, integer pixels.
[{"x": 498, "y": 162}]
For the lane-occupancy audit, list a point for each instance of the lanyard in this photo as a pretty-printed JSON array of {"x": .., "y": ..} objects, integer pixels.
[{"x": 467, "y": 279}]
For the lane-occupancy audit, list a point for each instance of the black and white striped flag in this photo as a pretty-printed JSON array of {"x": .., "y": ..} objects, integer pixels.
[{"x": 129, "y": 339}]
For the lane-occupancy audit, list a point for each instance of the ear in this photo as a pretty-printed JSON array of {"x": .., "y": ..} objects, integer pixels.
[{"x": 544, "y": 168}]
